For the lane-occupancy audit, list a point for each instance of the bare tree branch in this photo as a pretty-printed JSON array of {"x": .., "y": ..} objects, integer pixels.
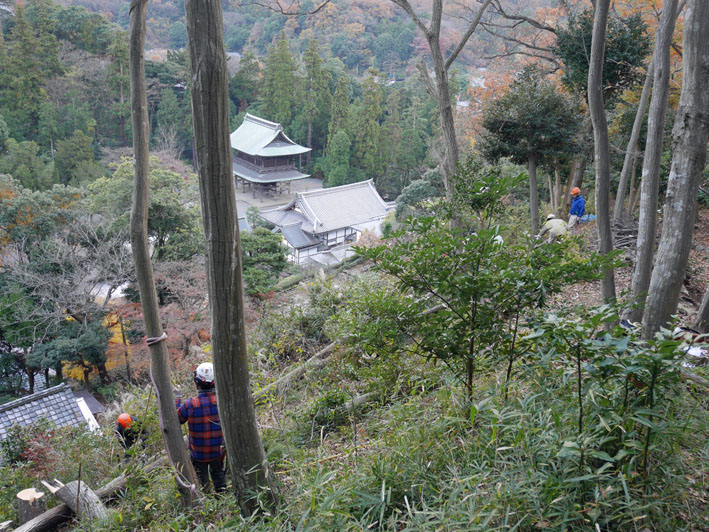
[
  {"x": 520, "y": 18},
  {"x": 467, "y": 35},
  {"x": 406, "y": 6},
  {"x": 278, "y": 7}
]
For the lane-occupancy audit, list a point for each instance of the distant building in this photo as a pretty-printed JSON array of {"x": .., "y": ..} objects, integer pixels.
[
  {"x": 321, "y": 225},
  {"x": 264, "y": 158},
  {"x": 57, "y": 405}
]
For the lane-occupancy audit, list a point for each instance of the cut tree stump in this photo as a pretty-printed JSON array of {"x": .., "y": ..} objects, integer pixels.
[
  {"x": 53, "y": 518},
  {"x": 30, "y": 504}
]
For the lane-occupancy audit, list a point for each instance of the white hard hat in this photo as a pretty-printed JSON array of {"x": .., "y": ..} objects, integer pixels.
[
  {"x": 204, "y": 373},
  {"x": 550, "y": 216}
]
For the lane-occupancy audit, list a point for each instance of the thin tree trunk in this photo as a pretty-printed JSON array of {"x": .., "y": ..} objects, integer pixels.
[
  {"x": 632, "y": 148},
  {"x": 689, "y": 150},
  {"x": 210, "y": 105},
  {"x": 159, "y": 366},
  {"x": 650, "y": 184},
  {"x": 702, "y": 321},
  {"x": 441, "y": 91},
  {"x": 632, "y": 192},
  {"x": 578, "y": 167},
  {"x": 533, "y": 194},
  {"x": 309, "y": 142},
  {"x": 557, "y": 191},
  {"x": 601, "y": 147}
]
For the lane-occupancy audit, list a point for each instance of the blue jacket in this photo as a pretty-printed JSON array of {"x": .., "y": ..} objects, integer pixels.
[{"x": 578, "y": 206}]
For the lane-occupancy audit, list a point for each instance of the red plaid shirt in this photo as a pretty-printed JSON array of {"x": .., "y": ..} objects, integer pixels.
[{"x": 200, "y": 414}]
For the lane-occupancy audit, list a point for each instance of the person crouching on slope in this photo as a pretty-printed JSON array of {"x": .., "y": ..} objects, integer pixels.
[
  {"x": 555, "y": 227},
  {"x": 578, "y": 207},
  {"x": 205, "y": 431}
]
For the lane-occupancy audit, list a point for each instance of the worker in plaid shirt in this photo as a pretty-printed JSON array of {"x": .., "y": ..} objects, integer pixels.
[{"x": 206, "y": 439}]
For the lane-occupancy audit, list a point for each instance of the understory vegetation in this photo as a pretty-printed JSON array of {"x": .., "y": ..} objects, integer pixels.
[{"x": 454, "y": 398}]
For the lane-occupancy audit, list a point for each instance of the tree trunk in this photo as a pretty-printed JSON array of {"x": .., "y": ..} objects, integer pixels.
[
  {"x": 533, "y": 194},
  {"x": 578, "y": 167},
  {"x": 309, "y": 142},
  {"x": 441, "y": 91},
  {"x": 689, "y": 150},
  {"x": 159, "y": 365},
  {"x": 247, "y": 459},
  {"x": 445, "y": 110},
  {"x": 30, "y": 504},
  {"x": 649, "y": 191},
  {"x": 702, "y": 322},
  {"x": 632, "y": 192},
  {"x": 83, "y": 501},
  {"x": 600, "y": 142},
  {"x": 556, "y": 203},
  {"x": 632, "y": 148},
  {"x": 103, "y": 373},
  {"x": 30, "y": 380}
]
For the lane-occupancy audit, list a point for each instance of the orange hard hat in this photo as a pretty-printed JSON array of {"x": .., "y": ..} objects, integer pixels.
[
  {"x": 576, "y": 190},
  {"x": 125, "y": 420}
]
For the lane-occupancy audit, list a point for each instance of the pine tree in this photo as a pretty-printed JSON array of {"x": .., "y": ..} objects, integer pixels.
[
  {"x": 338, "y": 160},
  {"x": 367, "y": 135},
  {"x": 23, "y": 89},
  {"x": 339, "y": 109},
  {"x": 316, "y": 91},
  {"x": 279, "y": 83},
  {"x": 120, "y": 84},
  {"x": 38, "y": 13}
]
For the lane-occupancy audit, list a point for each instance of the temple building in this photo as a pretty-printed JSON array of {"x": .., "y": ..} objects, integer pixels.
[
  {"x": 321, "y": 225},
  {"x": 264, "y": 158}
]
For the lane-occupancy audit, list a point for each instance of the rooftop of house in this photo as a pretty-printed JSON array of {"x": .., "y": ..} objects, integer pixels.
[
  {"x": 259, "y": 137},
  {"x": 57, "y": 405},
  {"x": 333, "y": 208}
]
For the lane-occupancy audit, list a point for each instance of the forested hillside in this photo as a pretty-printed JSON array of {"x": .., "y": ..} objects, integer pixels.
[{"x": 453, "y": 276}]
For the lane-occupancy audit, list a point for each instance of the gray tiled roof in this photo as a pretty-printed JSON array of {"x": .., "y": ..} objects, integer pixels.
[
  {"x": 297, "y": 238},
  {"x": 57, "y": 405},
  {"x": 91, "y": 401},
  {"x": 257, "y": 136},
  {"x": 344, "y": 206}
]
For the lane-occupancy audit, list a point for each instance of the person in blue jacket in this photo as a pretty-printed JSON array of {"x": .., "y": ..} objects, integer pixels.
[{"x": 578, "y": 207}]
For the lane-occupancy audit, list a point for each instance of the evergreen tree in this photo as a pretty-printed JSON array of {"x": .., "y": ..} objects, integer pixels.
[
  {"x": 71, "y": 153},
  {"x": 532, "y": 123},
  {"x": 40, "y": 16},
  {"x": 279, "y": 83},
  {"x": 245, "y": 84},
  {"x": 23, "y": 85},
  {"x": 367, "y": 134},
  {"x": 338, "y": 160},
  {"x": 170, "y": 116},
  {"x": 316, "y": 92},
  {"x": 340, "y": 108},
  {"x": 23, "y": 162},
  {"x": 119, "y": 82}
]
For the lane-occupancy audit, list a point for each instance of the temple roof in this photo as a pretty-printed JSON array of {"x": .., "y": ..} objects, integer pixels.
[
  {"x": 57, "y": 405},
  {"x": 256, "y": 136},
  {"x": 298, "y": 238},
  {"x": 327, "y": 209}
]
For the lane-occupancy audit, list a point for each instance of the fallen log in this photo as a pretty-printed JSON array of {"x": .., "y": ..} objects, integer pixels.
[
  {"x": 315, "y": 362},
  {"x": 82, "y": 500},
  {"x": 53, "y": 518}
]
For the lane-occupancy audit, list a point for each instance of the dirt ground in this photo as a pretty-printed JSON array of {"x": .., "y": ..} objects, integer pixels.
[{"x": 589, "y": 294}]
